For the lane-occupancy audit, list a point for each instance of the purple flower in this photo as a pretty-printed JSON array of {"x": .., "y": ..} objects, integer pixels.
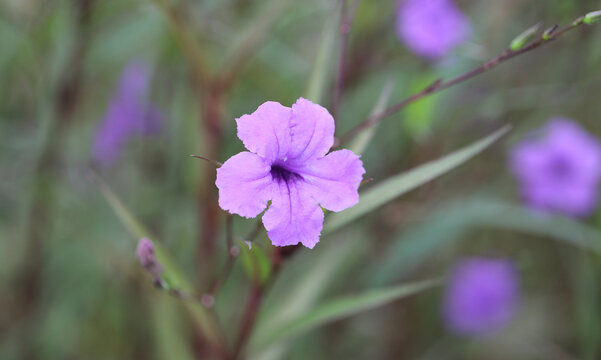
[
  {"x": 481, "y": 296},
  {"x": 560, "y": 171},
  {"x": 287, "y": 165},
  {"x": 145, "y": 253},
  {"x": 431, "y": 28},
  {"x": 128, "y": 114}
]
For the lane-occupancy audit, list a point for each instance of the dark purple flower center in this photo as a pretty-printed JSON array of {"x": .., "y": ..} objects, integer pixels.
[
  {"x": 561, "y": 167},
  {"x": 280, "y": 173}
]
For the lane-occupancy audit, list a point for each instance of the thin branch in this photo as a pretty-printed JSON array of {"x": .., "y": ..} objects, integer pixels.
[
  {"x": 251, "y": 311},
  {"x": 214, "y": 162},
  {"x": 232, "y": 255},
  {"x": 440, "y": 85},
  {"x": 187, "y": 40},
  {"x": 346, "y": 20}
]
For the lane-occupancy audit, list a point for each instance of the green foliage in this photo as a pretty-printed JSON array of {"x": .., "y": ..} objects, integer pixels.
[
  {"x": 172, "y": 276},
  {"x": 340, "y": 308},
  {"x": 256, "y": 263},
  {"x": 395, "y": 186},
  {"x": 321, "y": 71},
  {"x": 418, "y": 118},
  {"x": 452, "y": 223},
  {"x": 90, "y": 299},
  {"x": 362, "y": 141}
]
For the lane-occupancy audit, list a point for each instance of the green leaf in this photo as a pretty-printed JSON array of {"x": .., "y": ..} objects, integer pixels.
[
  {"x": 308, "y": 285},
  {"x": 307, "y": 280},
  {"x": 395, "y": 186},
  {"x": 592, "y": 17},
  {"x": 133, "y": 226},
  {"x": 339, "y": 309},
  {"x": 171, "y": 274},
  {"x": 360, "y": 143},
  {"x": 418, "y": 116},
  {"x": 453, "y": 221},
  {"x": 322, "y": 65},
  {"x": 587, "y": 294},
  {"x": 169, "y": 330},
  {"x": 256, "y": 263},
  {"x": 524, "y": 38}
]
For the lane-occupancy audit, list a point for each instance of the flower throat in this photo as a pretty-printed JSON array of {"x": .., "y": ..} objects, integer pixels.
[{"x": 280, "y": 173}]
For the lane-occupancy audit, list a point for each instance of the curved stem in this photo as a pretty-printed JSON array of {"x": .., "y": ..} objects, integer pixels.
[{"x": 440, "y": 85}]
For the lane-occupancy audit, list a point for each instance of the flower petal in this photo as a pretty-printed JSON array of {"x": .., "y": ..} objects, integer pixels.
[
  {"x": 529, "y": 161},
  {"x": 431, "y": 29},
  {"x": 577, "y": 200},
  {"x": 312, "y": 131},
  {"x": 569, "y": 139},
  {"x": 334, "y": 179},
  {"x": 245, "y": 184},
  {"x": 293, "y": 216},
  {"x": 266, "y": 132}
]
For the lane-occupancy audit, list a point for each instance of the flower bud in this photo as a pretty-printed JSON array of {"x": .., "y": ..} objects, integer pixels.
[
  {"x": 145, "y": 253},
  {"x": 547, "y": 34},
  {"x": 592, "y": 17},
  {"x": 524, "y": 38}
]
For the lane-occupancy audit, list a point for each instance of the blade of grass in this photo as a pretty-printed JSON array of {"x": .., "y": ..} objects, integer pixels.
[
  {"x": 251, "y": 37},
  {"x": 453, "y": 221},
  {"x": 395, "y": 186},
  {"x": 321, "y": 72},
  {"x": 341, "y": 308},
  {"x": 172, "y": 275},
  {"x": 359, "y": 144}
]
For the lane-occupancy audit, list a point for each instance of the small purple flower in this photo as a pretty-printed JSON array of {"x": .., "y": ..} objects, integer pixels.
[
  {"x": 128, "y": 114},
  {"x": 560, "y": 171},
  {"x": 145, "y": 253},
  {"x": 287, "y": 165},
  {"x": 481, "y": 296},
  {"x": 431, "y": 28}
]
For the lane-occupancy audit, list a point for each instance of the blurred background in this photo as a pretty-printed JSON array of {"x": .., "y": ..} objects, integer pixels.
[{"x": 71, "y": 287}]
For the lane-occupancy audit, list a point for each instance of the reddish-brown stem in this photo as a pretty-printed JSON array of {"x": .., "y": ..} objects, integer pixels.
[
  {"x": 175, "y": 17},
  {"x": 441, "y": 85},
  {"x": 251, "y": 311},
  {"x": 255, "y": 298},
  {"x": 208, "y": 215}
]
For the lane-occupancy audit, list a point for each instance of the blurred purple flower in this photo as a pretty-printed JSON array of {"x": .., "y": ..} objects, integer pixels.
[
  {"x": 431, "y": 28},
  {"x": 481, "y": 296},
  {"x": 145, "y": 253},
  {"x": 287, "y": 165},
  {"x": 559, "y": 172},
  {"x": 128, "y": 114}
]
